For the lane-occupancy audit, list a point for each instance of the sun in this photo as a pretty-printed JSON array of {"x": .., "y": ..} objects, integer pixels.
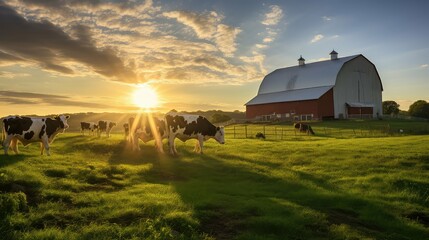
[{"x": 145, "y": 97}]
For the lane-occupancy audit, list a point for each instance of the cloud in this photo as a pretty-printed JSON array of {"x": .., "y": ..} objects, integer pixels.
[
  {"x": 274, "y": 16},
  {"x": 326, "y": 18},
  {"x": 424, "y": 66},
  {"x": 317, "y": 38},
  {"x": 208, "y": 26},
  {"x": 6, "y": 74},
  {"x": 12, "y": 97},
  {"x": 50, "y": 47},
  {"x": 126, "y": 41}
]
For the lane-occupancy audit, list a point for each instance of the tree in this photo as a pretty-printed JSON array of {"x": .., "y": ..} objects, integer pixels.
[
  {"x": 419, "y": 108},
  {"x": 218, "y": 117},
  {"x": 390, "y": 107}
]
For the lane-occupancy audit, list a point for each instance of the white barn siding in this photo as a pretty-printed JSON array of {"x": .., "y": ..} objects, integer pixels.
[{"x": 357, "y": 82}]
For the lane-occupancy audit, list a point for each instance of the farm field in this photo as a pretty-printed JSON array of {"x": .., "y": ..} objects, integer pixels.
[{"x": 298, "y": 188}]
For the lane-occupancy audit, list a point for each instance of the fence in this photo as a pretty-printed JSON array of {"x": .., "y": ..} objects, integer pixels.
[{"x": 289, "y": 132}]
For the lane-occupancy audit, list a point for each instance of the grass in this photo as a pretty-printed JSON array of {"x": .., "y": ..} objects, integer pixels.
[
  {"x": 315, "y": 188},
  {"x": 339, "y": 129}
]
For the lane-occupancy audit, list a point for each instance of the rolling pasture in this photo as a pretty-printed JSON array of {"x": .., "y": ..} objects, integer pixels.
[{"x": 318, "y": 187}]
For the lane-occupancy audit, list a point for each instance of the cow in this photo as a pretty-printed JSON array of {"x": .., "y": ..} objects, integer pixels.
[
  {"x": 105, "y": 126},
  {"x": 32, "y": 129},
  {"x": 186, "y": 127},
  {"x": 146, "y": 128},
  {"x": 304, "y": 128},
  {"x": 90, "y": 126}
]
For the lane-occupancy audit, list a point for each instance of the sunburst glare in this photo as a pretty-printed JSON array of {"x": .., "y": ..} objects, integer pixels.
[{"x": 145, "y": 97}]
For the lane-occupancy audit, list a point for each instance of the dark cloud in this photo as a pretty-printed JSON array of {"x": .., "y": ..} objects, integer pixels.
[
  {"x": 27, "y": 98},
  {"x": 28, "y": 95},
  {"x": 11, "y": 100},
  {"x": 9, "y": 58},
  {"x": 50, "y": 47}
]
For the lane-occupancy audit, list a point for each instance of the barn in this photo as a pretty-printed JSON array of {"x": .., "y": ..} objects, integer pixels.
[{"x": 347, "y": 87}]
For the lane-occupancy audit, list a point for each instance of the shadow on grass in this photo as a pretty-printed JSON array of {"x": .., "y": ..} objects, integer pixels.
[
  {"x": 231, "y": 201},
  {"x": 11, "y": 159}
]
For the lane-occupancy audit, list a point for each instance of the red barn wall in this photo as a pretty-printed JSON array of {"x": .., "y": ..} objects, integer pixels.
[
  {"x": 322, "y": 107},
  {"x": 326, "y": 104}
]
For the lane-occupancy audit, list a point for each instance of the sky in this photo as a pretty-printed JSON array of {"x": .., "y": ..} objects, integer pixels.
[{"x": 66, "y": 56}]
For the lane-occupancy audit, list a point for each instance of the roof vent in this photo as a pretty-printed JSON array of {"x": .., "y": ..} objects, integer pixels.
[
  {"x": 334, "y": 55},
  {"x": 301, "y": 61}
]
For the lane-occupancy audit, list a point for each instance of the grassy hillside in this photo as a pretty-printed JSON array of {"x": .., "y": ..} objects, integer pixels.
[{"x": 312, "y": 188}]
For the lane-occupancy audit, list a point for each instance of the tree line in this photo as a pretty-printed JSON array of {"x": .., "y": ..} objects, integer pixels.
[{"x": 419, "y": 108}]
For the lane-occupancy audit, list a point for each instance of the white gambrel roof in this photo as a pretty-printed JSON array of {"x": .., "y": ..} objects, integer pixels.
[{"x": 300, "y": 82}]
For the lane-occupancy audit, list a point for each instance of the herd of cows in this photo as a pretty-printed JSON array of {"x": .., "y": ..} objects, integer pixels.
[{"x": 144, "y": 127}]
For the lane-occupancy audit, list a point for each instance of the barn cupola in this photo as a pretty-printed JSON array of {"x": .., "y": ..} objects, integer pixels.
[
  {"x": 334, "y": 55},
  {"x": 301, "y": 61}
]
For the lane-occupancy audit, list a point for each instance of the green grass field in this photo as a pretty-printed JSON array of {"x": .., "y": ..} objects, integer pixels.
[{"x": 307, "y": 188}]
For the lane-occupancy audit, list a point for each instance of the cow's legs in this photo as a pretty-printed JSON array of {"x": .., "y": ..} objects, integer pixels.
[
  {"x": 136, "y": 145},
  {"x": 197, "y": 146},
  {"x": 6, "y": 143},
  {"x": 171, "y": 145},
  {"x": 42, "y": 148},
  {"x": 200, "y": 144},
  {"x": 14, "y": 145},
  {"x": 45, "y": 143},
  {"x": 159, "y": 146}
]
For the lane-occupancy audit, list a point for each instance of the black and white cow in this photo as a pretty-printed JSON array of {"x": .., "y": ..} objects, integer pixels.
[
  {"x": 305, "y": 128},
  {"x": 105, "y": 126},
  {"x": 185, "y": 127},
  {"x": 147, "y": 128},
  {"x": 90, "y": 126},
  {"x": 32, "y": 129}
]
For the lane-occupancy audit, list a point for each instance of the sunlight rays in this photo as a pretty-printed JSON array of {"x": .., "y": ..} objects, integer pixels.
[{"x": 145, "y": 97}]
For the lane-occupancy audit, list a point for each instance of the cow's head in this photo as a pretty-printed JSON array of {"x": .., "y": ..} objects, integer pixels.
[
  {"x": 63, "y": 121},
  {"x": 220, "y": 135}
]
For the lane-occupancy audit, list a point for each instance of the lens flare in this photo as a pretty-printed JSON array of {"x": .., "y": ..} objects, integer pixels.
[{"x": 145, "y": 97}]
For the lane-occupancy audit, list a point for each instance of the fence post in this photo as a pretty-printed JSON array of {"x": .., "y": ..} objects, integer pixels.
[{"x": 245, "y": 130}]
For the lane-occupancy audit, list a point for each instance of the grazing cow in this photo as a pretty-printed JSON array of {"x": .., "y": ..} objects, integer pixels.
[
  {"x": 185, "y": 127},
  {"x": 90, "y": 126},
  {"x": 32, "y": 129},
  {"x": 126, "y": 130},
  {"x": 304, "y": 128},
  {"x": 146, "y": 128},
  {"x": 105, "y": 126}
]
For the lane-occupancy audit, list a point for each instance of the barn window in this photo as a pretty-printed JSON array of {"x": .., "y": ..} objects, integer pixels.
[{"x": 307, "y": 117}]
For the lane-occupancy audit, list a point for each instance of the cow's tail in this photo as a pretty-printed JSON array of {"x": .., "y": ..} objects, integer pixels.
[{"x": 3, "y": 132}]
